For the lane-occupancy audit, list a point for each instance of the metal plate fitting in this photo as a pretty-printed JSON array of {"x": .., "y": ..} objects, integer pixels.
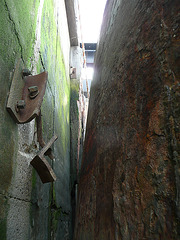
[
  {"x": 29, "y": 89},
  {"x": 42, "y": 166}
]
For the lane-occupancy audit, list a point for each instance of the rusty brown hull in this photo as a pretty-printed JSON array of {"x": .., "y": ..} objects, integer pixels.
[{"x": 129, "y": 183}]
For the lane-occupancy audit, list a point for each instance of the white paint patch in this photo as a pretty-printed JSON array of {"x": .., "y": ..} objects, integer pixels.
[{"x": 38, "y": 38}]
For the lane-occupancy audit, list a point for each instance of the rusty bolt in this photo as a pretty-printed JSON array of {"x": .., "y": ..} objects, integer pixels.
[
  {"x": 33, "y": 91},
  {"x": 20, "y": 105},
  {"x": 26, "y": 72}
]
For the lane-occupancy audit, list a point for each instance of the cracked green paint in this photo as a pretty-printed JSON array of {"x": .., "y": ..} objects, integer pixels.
[
  {"x": 17, "y": 36},
  {"x": 23, "y": 16}
]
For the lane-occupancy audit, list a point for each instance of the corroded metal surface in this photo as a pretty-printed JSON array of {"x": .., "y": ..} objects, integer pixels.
[
  {"x": 20, "y": 91},
  {"x": 129, "y": 183},
  {"x": 42, "y": 166}
]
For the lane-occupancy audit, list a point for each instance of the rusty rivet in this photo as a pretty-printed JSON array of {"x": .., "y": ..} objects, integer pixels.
[
  {"x": 33, "y": 91},
  {"x": 20, "y": 105},
  {"x": 26, "y": 72}
]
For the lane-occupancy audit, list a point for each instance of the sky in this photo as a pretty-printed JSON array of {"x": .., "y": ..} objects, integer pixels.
[{"x": 91, "y": 17}]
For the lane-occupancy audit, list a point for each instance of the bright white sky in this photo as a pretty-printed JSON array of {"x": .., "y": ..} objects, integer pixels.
[{"x": 91, "y": 18}]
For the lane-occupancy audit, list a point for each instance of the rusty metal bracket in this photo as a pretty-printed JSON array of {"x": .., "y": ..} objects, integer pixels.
[
  {"x": 42, "y": 166},
  {"x": 24, "y": 104},
  {"x": 26, "y": 94}
]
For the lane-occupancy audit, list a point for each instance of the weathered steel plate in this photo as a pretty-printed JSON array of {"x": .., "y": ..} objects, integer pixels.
[
  {"x": 19, "y": 91},
  {"x": 42, "y": 166}
]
